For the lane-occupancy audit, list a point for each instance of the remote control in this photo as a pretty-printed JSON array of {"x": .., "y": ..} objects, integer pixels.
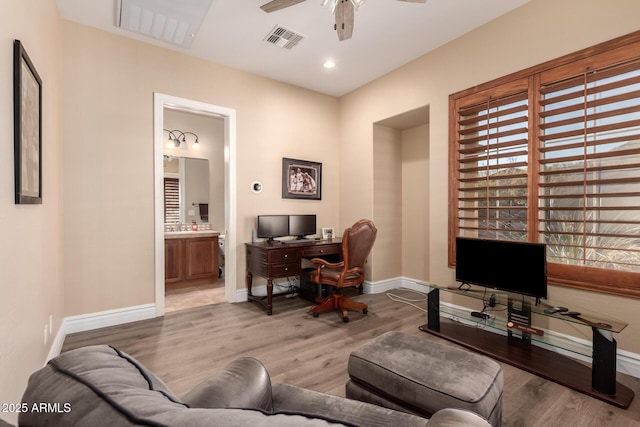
[
  {"x": 552, "y": 310},
  {"x": 479, "y": 315}
]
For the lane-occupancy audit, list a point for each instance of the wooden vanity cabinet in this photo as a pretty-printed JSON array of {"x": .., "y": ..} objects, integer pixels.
[
  {"x": 201, "y": 258},
  {"x": 173, "y": 260},
  {"x": 190, "y": 261}
]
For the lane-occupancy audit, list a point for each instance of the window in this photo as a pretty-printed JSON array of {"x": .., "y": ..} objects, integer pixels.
[
  {"x": 552, "y": 155},
  {"x": 171, "y": 200},
  {"x": 493, "y": 168}
]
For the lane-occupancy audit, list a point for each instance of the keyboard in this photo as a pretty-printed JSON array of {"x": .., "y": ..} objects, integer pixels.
[{"x": 296, "y": 242}]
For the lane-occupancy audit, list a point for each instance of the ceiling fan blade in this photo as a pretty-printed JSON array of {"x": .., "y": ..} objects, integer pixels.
[
  {"x": 274, "y": 5},
  {"x": 344, "y": 19},
  {"x": 414, "y": 1}
]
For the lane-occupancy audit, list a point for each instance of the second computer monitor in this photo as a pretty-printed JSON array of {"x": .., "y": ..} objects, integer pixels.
[{"x": 302, "y": 225}]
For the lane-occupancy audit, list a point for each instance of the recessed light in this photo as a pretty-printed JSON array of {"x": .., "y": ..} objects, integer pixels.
[{"x": 329, "y": 64}]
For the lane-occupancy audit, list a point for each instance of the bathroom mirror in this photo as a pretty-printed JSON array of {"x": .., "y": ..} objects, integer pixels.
[{"x": 186, "y": 189}]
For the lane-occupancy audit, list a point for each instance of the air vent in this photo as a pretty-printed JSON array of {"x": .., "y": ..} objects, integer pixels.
[
  {"x": 163, "y": 20},
  {"x": 283, "y": 37}
]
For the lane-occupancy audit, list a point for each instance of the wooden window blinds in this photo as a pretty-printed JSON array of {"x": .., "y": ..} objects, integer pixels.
[
  {"x": 171, "y": 200},
  {"x": 552, "y": 155}
]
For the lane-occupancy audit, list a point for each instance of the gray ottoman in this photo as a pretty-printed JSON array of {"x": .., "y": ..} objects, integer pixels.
[{"x": 414, "y": 375}]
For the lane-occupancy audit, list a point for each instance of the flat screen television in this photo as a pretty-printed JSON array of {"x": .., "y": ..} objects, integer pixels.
[
  {"x": 270, "y": 226},
  {"x": 516, "y": 267},
  {"x": 302, "y": 225}
]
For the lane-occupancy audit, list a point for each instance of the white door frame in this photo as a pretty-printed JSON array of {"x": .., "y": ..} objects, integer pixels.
[{"x": 160, "y": 101}]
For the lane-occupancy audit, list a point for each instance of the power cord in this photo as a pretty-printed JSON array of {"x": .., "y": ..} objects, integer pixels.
[
  {"x": 290, "y": 286},
  {"x": 408, "y": 301},
  {"x": 490, "y": 303}
]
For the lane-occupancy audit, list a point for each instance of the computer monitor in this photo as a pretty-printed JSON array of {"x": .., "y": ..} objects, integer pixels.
[
  {"x": 302, "y": 225},
  {"x": 270, "y": 226}
]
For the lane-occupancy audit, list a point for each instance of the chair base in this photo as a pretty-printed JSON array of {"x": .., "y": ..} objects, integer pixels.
[{"x": 338, "y": 302}]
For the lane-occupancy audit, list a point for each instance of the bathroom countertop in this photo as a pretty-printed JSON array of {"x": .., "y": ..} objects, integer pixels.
[{"x": 190, "y": 234}]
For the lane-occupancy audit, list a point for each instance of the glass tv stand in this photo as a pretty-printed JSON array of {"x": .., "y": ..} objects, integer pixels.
[{"x": 510, "y": 335}]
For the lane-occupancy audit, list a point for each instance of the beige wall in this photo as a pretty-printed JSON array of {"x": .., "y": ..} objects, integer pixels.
[
  {"x": 536, "y": 32},
  {"x": 387, "y": 203},
  {"x": 109, "y": 83},
  {"x": 400, "y": 201},
  {"x": 31, "y": 272},
  {"x": 415, "y": 202}
]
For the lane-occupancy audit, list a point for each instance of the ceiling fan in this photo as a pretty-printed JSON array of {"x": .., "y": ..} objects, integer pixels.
[{"x": 342, "y": 9}]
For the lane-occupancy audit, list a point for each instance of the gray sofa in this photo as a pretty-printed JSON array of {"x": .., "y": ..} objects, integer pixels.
[{"x": 102, "y": 386}]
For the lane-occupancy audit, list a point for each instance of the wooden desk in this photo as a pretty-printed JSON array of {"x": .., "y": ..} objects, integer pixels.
[{"x": 282, "y": 260}]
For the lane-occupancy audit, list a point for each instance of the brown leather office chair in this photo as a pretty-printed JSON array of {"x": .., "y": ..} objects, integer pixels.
[{"x": 357, "y": 242}]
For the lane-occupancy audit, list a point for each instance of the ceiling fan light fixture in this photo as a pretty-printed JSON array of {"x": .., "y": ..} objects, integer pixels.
[
  {"x": 357, "y": 3},
  {"x": 344, "y": 11},
  {"x": 334, "y": 4}
]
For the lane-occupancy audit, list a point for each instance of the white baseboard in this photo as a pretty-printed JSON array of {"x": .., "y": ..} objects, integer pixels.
[
  {"x": 395, "y": 283},
  {"x": 242, "y": 295},
  {"x": 380, "y": 286},
  {"x": 56, "y": 344},
  {"x": 103, "y": 319},
  {"x": 628, "y": 363}
]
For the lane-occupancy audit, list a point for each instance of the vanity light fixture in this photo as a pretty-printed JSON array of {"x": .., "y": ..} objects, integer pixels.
[{"x": 177, "y": 137}]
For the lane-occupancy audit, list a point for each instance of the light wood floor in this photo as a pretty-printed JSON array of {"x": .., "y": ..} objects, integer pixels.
[
  {"x": 182, "y": 298},
  {"x": 185, "y": 346}
]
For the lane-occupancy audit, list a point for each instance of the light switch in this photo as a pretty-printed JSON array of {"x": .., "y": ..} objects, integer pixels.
[{"x": 191, "y": 212}]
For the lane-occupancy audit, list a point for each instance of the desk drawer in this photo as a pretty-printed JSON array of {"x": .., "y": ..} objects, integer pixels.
[
  {"x": 320, "y": 251},
  {"x": 284, "y": 269},
  {"x": 283, "y": 255}
]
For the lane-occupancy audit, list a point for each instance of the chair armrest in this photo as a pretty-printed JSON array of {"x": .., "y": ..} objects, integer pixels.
[
  {"x": 358, "y": 270},
  {"x": 327, "y": 264},
  {"x": 243, "y": 383}
]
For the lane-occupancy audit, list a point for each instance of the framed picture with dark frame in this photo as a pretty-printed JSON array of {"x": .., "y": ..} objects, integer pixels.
[
  {"x": 301, "y": 179},
  {"x": 27, "y": 127}
]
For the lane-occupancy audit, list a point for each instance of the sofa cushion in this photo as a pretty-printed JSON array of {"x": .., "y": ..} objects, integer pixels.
[{"x": 97, "y": 385}]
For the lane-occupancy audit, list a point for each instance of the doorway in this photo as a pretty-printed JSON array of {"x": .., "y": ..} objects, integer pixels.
[{"x": 162, "y": 102}]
